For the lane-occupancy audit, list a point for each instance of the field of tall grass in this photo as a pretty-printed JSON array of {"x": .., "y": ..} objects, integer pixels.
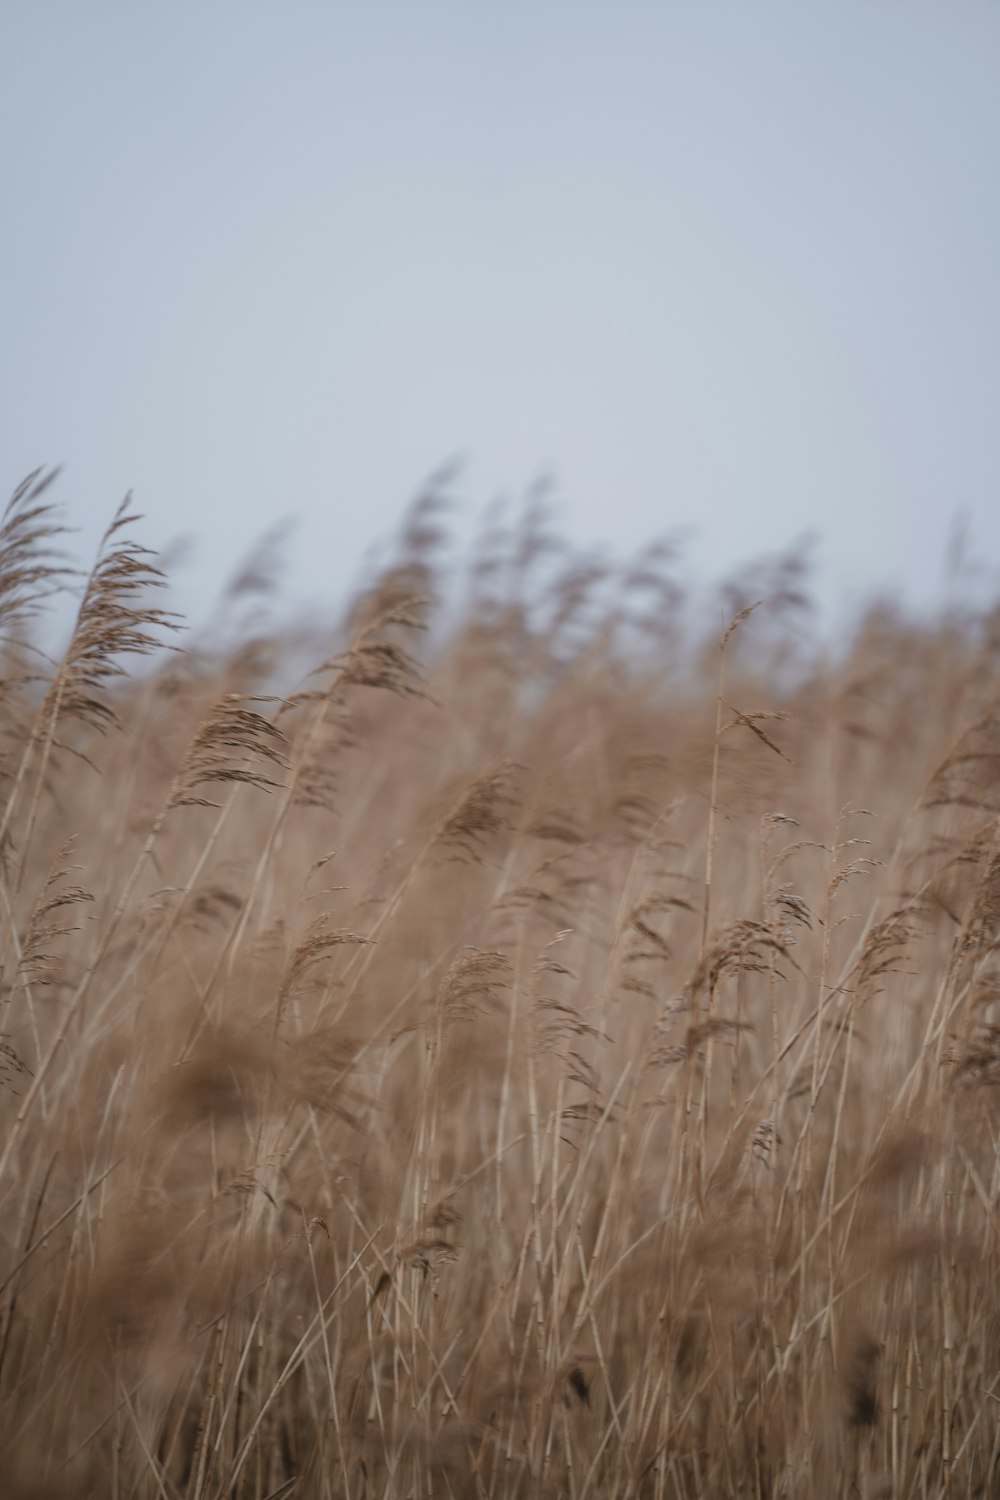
[{"x": 522, "y": 1044}]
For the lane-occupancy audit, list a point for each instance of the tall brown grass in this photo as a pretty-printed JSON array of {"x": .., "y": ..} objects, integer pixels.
[{"x": 541, "y": 1052}]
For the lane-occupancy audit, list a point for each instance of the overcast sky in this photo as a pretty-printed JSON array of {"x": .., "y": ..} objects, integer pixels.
[{"x": 732, "y": 266}]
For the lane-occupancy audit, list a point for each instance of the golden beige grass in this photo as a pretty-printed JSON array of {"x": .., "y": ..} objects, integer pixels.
[{"x": 536, "y": 1057}]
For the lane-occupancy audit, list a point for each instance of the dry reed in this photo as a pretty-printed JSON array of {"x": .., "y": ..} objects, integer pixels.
[{"x": 506, "y": 1069}]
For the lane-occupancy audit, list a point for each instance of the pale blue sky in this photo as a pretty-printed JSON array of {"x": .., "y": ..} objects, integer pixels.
[{"x": 725, "y": 265}]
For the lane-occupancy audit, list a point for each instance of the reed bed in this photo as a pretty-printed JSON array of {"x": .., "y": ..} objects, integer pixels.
[{"x": 522, "y": 1047}]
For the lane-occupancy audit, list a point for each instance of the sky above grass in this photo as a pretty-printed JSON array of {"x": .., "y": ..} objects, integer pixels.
[{"x": 726, "y": 267}]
